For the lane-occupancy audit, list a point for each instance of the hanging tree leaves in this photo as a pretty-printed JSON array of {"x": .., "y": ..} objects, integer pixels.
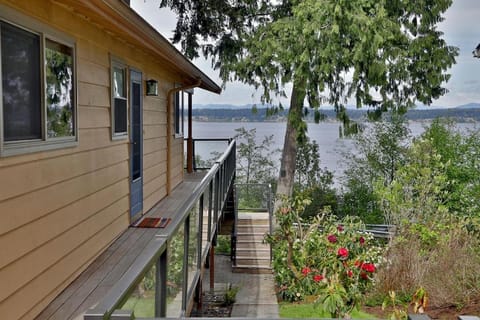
[{"x": 383, "y": 54}]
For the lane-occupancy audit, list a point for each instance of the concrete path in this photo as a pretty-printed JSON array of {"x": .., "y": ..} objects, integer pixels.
[{"x": 256, "y": 296}]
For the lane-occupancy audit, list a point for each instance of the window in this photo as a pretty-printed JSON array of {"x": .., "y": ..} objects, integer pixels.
[
  {"x": 38, "y": 90},
  {"x": 119, "y": 97},
  {"x": 179, "y": 103}
]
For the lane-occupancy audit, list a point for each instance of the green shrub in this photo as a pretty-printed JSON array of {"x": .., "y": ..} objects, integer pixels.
[{"x": 330, "y": 261}]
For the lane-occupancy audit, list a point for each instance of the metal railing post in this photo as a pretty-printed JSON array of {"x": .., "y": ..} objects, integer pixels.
[{"x": 160, "y": 288}]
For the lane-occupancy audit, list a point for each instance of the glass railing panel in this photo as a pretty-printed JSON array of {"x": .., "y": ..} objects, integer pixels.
[
  {"x": 192, "y": 267},
  {"x": 142, "y": 300},
  {"x": 175, "y": 264},
  {"x": 205, "y": 219}
]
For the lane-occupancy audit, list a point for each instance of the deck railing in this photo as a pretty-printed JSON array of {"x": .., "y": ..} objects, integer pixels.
[
  {"x": 202, "y": 210},
  {"x": 214, "y": 146}
]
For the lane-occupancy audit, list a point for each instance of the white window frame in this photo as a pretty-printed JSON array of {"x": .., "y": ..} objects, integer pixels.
[
  {"x": 11, "y": 148},
  {"x": 118, "y": 63}
]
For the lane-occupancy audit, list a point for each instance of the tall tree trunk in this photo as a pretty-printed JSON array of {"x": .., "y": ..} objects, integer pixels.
[{"x": 289, "y": 153}]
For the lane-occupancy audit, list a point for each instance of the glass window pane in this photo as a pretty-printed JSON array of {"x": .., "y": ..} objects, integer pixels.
[
  {"x": 175, "y": 258},
  {"x": 21, "y": 84},
  {"x": 59, "y": 90},
  {"x": 180, "y": 100},
  {"x": 120, "y": 114},
  {"x": 142, "y": 300},
  {"x": 118, "y": 82}
]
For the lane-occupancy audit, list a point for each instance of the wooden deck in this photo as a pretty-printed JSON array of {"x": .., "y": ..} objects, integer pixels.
[{"x": 96, "y": 281}]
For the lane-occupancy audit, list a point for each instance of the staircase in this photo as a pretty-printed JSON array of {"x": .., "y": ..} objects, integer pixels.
[{"x": 252, "y": 253}]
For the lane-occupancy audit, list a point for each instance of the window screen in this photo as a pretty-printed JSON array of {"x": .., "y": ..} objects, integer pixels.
[{"x": 21, "y": 84}]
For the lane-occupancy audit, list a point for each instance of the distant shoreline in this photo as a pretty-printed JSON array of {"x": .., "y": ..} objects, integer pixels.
[{"x": 459, "y": 115}]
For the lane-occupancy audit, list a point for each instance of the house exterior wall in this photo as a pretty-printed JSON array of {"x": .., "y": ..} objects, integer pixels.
[{"x": 59, "y": 209}]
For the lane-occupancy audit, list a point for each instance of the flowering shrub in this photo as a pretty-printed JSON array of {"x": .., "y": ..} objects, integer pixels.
[{"x": 330, "y": 261}]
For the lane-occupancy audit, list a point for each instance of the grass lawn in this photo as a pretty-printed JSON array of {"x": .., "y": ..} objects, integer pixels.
[
  {"x": 308, "y": 310},
  {"x": 142, "y": 307}
]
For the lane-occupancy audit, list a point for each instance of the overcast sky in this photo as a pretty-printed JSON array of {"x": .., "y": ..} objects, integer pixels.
[{"x": 460, "y": 29}]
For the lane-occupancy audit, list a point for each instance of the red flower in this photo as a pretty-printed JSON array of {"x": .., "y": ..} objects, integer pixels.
[
  {"x": 317, "y": 278},
  {"x": 369, "y": 267},
  {"x": 332, "y": 238},
  {"x": 340, "y": 228},
  {"x": 363, "y": 275},
  {"x": 358, "y": 264},
  {"x": 342, "y": 252},
  {"x": 361, "y": 240},
  {"x": 306, "y": 271},
  {"x": 349, "y": 273}
]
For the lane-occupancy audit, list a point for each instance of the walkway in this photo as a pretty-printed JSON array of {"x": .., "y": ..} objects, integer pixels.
[{"x": 256, "y": 297}]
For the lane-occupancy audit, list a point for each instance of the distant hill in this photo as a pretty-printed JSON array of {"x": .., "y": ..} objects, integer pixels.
[
  {"x": 472, "y": 105},
  {"x": 231, "y": 113}
]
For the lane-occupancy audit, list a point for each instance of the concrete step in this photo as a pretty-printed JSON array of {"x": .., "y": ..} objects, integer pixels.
[
  {"x": 252, "y": 222},
  {"x": 252, "y": 270},
  {"x": 264, "y": 250},
  {"x": 253, "y": 228},
  {"x": 253, "y": 262},
  {"x": 242, "y": 244},
  {"x": 251, "y": 236}
]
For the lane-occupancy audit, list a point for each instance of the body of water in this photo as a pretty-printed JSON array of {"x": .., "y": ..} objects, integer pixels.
[{"x": 326, "y": 134}]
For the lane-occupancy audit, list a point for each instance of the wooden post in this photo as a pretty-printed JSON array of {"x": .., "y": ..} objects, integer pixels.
[{"x": 190, "y": 136}]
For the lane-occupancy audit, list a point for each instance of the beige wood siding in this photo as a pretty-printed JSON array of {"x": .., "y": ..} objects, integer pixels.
[{"x": 60, "y": 209}]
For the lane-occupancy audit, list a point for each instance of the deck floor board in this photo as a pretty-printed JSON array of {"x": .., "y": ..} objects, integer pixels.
[{"x": 99, "y": 277}]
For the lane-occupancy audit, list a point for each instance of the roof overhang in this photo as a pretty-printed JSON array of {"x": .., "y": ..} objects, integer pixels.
[{"x": 119, "y": 18}]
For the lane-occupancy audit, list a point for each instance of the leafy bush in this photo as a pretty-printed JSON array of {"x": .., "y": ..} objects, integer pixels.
[
  {"x": 442, "y": 256},
  {"x": 330, "y": 261},
  {"x": 433, "y": 201}
]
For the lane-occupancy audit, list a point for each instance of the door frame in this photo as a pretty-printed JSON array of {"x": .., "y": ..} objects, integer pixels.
[{"x": 136, "y": 186}]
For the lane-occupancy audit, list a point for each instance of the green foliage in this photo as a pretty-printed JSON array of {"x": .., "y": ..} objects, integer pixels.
[
  {"x": 255, "y": 162},
  {"x": 430, "y": 200},
  {"x": 439, "y": 176},
  {"x": 398, "y": 309},
  {"x": 384, "y": 55},
  {"x": 380, "y": 150},
  {"x": 312, "y": 181},
  {"x": 269, "y": 44},
  {"x": 312, "y": 311},
  {"x": 329, "y": 259},
  {"x": 230, "y": 296},
  {"x": 223, "y": 244}
]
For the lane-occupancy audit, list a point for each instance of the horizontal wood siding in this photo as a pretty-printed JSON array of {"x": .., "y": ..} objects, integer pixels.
[
  {"x": 60, "y": 209},
  {"x": 155, "y": 147}
]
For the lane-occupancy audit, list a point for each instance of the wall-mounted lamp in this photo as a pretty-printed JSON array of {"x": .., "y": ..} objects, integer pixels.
[{"x": 152, "y": 87}]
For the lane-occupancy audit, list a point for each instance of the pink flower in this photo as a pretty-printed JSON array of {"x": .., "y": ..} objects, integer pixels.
[
  {"x": 332, "y": 238},
  {"x": 361, "y": 240},
  {"x": 340, "y": 228},
  {"x": 306, "y": 271},
  {"x": 342, "y": 252},
  {"x": 317, "y": 278},
  {"x": 369, "y": 267}
]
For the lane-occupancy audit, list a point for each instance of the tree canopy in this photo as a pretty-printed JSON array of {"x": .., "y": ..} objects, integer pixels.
[{"x": 383, "y": 54}]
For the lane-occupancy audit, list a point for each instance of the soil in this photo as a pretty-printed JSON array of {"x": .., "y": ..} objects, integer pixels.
[
  {"x": 442, "y": 313},
  {"x": 213, "y": 306}
]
